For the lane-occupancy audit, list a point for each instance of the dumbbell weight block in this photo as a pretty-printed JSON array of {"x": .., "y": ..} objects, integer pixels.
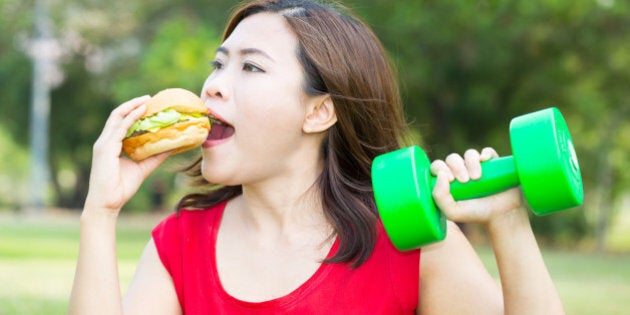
[{"x": 544, "y": 164}]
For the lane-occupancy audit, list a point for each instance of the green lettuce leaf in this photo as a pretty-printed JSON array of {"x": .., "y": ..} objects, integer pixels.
[{"x": 161, "y": 119}]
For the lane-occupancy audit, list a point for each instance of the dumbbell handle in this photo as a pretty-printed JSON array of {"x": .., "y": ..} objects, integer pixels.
[{"x": 497, "y": 175}]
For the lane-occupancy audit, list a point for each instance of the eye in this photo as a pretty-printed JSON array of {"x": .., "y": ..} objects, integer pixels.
[
  {"x": 251, "y": 68},
  {"x": 216, "y": 65}
]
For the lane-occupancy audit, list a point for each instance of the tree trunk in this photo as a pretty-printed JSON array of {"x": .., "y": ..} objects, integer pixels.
[
  {"x": 606, "y": 183},
  {"x": 604, "y": 208}
]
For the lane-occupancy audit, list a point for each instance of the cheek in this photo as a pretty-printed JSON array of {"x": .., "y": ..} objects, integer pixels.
[
  {"x": 273, "y": 115},
  {"x": 269, "y": 132}
]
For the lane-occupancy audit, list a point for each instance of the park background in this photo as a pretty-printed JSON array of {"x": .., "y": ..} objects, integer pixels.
[{"x": 466, "y": 68}]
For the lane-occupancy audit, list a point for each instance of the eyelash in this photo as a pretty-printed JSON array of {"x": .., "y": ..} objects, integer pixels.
[
  {"x": 251, "y": 68},
  {"x": 217, "y": 65}
]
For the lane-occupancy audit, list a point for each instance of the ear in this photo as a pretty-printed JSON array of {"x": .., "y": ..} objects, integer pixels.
[{"x": 320, "y": 115}]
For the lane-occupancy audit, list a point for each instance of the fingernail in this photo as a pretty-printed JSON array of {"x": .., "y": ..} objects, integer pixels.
[
  {"x": 464, "y": 178},
  {"x": 474, "y": 175}
]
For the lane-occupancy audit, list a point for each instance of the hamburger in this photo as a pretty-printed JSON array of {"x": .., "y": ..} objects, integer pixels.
[{"x": 175, "y": 120}]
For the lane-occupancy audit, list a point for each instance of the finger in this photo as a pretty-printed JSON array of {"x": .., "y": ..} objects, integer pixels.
[
  {"x": 128, "y": 106},
  {"x": 438, "y": 166},
  {"x": 125, "y": 108},
  {"x": 109, "y": 141},
  {"x": 113, "y": 135},
  {"x": 122, "y": 111},
  {"x": 442, "y": 194},
  {"x": 120, "y": 130},
  {"x": 456, "y": 163},
  {"x": 488, "y": 153},
  {"x": 472, "y": 161}
]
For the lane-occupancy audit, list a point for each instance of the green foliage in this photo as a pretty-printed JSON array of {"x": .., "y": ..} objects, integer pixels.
[
  {"x": 178, "y": 55},
  {"x": 15, "y": 74},
  {"x": 466, "y": 69},
  {"x": 562, "y": 229},
  {"x": 110, "y": 54},
  {"x": 13, "y": 171}
]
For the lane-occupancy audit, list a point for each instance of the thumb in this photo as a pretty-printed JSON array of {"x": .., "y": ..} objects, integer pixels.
[{"x": 442, "y": 193}]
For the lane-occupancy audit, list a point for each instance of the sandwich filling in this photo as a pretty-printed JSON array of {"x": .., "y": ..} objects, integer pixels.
[{"x": 161, "y": 119}]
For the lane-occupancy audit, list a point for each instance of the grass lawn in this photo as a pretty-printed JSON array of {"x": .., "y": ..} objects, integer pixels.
[
  {"x": 38, "y": 258},
  {"x": 37, "y": 261},
  {"x": 587, "y": 283}
]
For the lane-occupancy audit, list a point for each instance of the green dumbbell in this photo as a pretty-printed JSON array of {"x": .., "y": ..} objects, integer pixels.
[{"x": 544, "y": 163}]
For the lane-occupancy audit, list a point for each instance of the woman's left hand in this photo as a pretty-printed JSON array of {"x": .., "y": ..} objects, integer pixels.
[{"x": 481, "y": 210}]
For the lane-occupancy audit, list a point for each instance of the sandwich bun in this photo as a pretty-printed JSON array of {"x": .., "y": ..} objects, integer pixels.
[
  {"x": 181, "y": 100},
  {"x": 181, "y": 136}
]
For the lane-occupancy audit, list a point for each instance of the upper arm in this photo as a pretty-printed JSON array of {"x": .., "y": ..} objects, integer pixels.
[
  {"x": 151, "y": 290},
  {"x": 453, "y": 280}
]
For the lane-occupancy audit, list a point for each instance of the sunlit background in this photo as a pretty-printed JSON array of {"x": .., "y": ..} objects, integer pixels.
[{"x": 466, "y": 69}]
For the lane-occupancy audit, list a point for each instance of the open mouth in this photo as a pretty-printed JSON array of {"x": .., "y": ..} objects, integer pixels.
[{"x": 220, "y": 129}]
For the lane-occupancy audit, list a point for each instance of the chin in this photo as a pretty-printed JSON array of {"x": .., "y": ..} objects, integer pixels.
[{"x": 214, "y": 173}]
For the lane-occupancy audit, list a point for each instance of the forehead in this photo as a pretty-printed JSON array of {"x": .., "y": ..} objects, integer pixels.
[{"x": 265, "y": 31}]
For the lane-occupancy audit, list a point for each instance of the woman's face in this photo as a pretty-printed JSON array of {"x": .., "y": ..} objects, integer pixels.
[{"x": 255, "y": 89}]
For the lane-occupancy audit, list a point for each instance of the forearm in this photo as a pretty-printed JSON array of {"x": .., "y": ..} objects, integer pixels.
[
  {"x": 527, "y": 285},
  {"x": 96, "y": 288}
]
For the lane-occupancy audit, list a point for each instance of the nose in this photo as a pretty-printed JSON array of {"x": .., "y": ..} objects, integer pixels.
[{"x": 214, "y": 88}]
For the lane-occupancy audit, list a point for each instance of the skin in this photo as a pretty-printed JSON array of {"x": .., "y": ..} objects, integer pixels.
[{"x": 276, "y": 229}]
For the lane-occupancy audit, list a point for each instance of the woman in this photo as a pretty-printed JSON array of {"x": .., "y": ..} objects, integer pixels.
[{"x": 288, "y": 225}]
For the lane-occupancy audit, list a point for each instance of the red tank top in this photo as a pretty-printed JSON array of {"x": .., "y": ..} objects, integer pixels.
[{"x": 387, "y": 283}]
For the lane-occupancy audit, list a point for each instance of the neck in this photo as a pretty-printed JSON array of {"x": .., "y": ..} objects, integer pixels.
[{"x": 285, "y": 204}]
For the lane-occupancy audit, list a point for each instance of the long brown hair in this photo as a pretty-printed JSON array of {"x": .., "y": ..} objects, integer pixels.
[{"x": 341, "y": 57}]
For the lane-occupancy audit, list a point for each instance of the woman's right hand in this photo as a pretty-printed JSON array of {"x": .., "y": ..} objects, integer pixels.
[{"x": 114, "y": 179}]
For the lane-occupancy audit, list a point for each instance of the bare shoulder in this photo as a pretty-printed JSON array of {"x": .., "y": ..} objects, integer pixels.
[
  {"x": 151, "y": 290},
  {"x": 453, "y": 280}
]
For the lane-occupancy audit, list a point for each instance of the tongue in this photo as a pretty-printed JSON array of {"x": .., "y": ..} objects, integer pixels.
[{"x": 220, "y": 131}]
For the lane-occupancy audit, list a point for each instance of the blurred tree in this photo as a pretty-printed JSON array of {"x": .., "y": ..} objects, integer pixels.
[
  {"x": 15, "y": 80},
  {"x": 110, "y": 52},
  {"x": 467, "y": 68},
  {"x": 173, "y": 49}
]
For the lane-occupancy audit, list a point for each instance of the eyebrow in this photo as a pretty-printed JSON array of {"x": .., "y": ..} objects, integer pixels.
[{"x": 246, "y": 51}]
